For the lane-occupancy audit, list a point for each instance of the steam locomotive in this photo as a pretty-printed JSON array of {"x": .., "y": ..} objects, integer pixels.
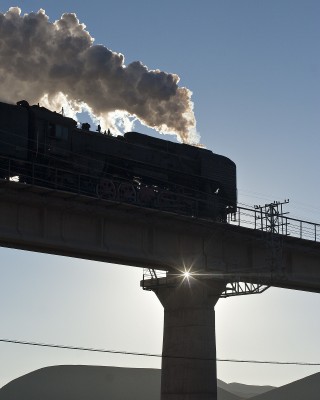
[{"x": 45, "y": 148}]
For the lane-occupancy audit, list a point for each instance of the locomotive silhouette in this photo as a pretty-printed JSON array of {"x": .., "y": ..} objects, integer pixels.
[{"x": 45, "y": 148}]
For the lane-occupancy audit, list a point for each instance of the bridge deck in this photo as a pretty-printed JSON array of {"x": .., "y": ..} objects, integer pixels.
[{"x": 70, "y": 224}]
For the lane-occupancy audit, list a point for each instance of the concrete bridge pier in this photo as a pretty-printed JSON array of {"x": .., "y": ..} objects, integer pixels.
[{"x": 189, "y": 349}]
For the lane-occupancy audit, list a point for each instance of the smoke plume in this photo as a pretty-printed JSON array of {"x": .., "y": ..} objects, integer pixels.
[{"x": 58, "y": 65}]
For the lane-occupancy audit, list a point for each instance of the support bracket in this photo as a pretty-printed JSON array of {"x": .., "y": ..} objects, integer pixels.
[{"x": 154, "y": 279}]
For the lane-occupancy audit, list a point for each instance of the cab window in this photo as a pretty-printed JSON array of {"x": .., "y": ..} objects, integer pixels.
[
  {"x": 58, "y": 131},
  {"x": 61, "y": 132}
]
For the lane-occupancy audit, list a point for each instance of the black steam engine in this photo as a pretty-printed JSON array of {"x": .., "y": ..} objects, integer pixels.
[{"x": 44, "y": 148}]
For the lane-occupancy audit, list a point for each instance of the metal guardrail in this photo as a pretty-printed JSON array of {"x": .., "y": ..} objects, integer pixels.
[
  {"x": 83, "y": 184},
  {"x": 284, "y": 225},
  {"x": 69, "y": 180}
]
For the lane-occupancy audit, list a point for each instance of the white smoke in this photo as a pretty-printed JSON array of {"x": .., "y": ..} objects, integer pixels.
[{"x": 58, "y": 65}]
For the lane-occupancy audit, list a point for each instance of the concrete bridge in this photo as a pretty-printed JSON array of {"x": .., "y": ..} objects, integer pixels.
[{"x": 218, "y": 255}]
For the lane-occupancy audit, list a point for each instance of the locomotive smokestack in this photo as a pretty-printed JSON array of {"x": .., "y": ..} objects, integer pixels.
[{"x": 58, "y": 65}]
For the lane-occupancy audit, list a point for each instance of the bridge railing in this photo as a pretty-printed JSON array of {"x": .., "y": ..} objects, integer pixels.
[
  {"x": 280, "y": 224},
  {"x": 110, "y": 187},
  {"x": 66, "y": 180}
]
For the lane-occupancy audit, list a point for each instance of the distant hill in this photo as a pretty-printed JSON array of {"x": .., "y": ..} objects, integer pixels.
[
  {"x": 78, "y": 382},
  {"x": 225, "y": 395},
  {"x": 244, "y": 391},
  {"x": 304, "y": 389}
]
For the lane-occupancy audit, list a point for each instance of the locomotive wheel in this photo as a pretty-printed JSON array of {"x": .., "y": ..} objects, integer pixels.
[
  {"x": 127, "y": 193},
  {"x": 106, "y": 189}
]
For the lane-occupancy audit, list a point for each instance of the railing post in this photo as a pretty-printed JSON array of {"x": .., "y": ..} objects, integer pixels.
[
  {"x": 56, "y": 178},
  {"x": 255, "y": 219}
]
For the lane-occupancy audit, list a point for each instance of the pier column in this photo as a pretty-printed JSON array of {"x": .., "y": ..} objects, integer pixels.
[{"x": 189, "y": 348}]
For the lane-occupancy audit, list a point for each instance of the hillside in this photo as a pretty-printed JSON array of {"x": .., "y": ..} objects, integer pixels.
[
  {"x": 244, "y": 391},
  {"x": 77, "y": 382},
  {"x": 307, "y": 388}
]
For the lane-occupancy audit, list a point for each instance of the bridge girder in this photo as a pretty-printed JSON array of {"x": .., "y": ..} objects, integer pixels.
[{"x": 43, "y": 220}]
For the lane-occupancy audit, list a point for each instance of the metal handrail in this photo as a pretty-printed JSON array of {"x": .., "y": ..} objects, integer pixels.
[
  {"x": 287, "y": 226},
  {"x": 245, "y": 217},
  {"x": 30, "y": 172}
]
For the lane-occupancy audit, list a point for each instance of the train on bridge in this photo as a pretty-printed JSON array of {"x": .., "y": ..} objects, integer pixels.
[{"x": 45, "y": 148}]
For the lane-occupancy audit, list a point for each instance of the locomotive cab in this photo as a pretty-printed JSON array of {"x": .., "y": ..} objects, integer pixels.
[{"x": 52, "y": 132}]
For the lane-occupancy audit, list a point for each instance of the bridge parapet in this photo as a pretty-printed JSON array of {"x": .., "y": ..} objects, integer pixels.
[{"x": 254, "y": 218}]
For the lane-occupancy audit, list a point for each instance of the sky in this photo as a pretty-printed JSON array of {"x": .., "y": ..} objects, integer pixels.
[{"x": 253, "y": 68}]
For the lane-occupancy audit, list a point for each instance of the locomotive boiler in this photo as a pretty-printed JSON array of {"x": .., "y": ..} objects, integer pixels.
[{"x": 45, "y": 148}]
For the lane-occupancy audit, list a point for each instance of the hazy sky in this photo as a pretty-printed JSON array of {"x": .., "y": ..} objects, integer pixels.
[{"x": 254, "y": 70}]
